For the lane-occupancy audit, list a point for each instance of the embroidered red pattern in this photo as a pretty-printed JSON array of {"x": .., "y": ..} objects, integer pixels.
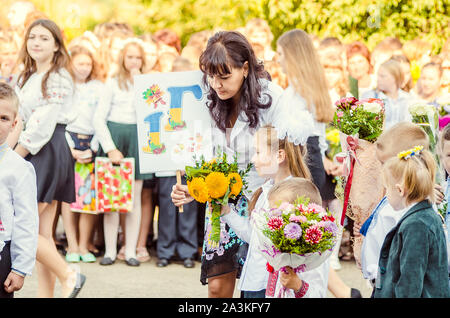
[
  {"x": 302, "y": 291},
  {"x": 271, "y": 284}
]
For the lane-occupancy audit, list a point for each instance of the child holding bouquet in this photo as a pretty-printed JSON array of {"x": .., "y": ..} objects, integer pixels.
[
  {"x": 413, "y": 258},
  {"x": 312, "y": 283},
  {"x": 276, "y": 158}
]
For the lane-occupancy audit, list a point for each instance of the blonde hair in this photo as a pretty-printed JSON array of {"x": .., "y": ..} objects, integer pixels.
[
  {"x": 294, "y": 156},
  {"x": 305, "y": 73},
  {"x": 394, "y": 68},
  {"x": 8, "y": 93},
  {"x": 401, "y": 137},
  {"x": 123, "y": 75},
  {"x": 416, "y": 175},
  {"x": 289, "y": 190}
]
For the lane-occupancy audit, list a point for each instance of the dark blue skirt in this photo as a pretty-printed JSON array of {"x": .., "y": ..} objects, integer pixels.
[{"x": 54, "y": 166}]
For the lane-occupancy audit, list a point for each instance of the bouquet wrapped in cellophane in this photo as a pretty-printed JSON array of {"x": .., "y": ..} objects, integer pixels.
[
  {"x": 300, "y": 235},
  {"x": 216, "y": 181},
  {"x": 427, "y": 117}
]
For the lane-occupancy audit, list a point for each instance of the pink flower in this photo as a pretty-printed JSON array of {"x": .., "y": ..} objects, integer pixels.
[
  {"x": 275, "y": 223},
  {"x": 286, "y": 206},
  {"x": 297, "y": 218},
  {"x": 313, "y": 235},
  {"x": 340, "y": 114},
  {"x": 315, "y": 208}
]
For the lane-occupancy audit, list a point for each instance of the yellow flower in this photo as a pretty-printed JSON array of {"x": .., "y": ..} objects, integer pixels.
[
  {"x": 410, "y": 152},
  {"x": 333, "y": 136},
  {"x": 237, "y": 186},
  {"x": 217, "y": 184},
  {"x": 198, "y": 190}
]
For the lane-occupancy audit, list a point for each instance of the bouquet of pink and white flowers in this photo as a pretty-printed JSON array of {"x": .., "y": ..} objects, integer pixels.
[
  {"x": 300, "y": 235},
  {"x": 363, "y": 117}
]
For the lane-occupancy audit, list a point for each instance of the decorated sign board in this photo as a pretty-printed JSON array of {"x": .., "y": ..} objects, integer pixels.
[{"x": 172, "y": 119}]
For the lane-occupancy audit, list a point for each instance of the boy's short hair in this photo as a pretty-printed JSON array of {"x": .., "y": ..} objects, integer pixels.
[
  {"x": 289, "y": 190},
  {"x": 401, "y": 137},
  {"x": 8, "y": 93}
]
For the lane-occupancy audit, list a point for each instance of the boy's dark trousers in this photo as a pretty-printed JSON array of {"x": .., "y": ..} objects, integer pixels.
[
  {"x": 177, "y": 232},
  {"x": 5, "y": 269}
]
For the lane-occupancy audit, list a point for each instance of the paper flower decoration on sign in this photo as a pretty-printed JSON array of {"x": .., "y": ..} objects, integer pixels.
[{"x": 153, "y": 95}]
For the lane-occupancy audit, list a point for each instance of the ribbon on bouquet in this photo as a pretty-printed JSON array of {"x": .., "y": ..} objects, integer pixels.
[{"x": 348, "y": 158}]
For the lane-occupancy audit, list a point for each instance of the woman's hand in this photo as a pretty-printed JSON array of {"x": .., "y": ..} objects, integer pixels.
[
  {"x": 438, "y": 194},
  {"x": 356, "y": 228},
  {"x": 290, "y": 279},
  {"x": 180, "y": 195},
  {"x": 115, "y": 156}
]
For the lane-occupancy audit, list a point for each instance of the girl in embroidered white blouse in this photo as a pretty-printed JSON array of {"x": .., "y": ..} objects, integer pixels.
[{"x": 45, "y": 88}]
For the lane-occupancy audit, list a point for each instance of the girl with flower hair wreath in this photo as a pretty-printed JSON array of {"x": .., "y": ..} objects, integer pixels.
[
  {"x": 413, "y": 259},
  {"x": 277, "y": 157}
]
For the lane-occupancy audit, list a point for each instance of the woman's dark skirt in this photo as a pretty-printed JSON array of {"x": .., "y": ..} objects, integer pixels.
[
  {"x": 321, "y": 179},
  {"x": 54, "y": 166}
]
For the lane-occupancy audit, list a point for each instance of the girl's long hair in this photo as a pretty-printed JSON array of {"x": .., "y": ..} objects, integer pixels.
[
  {"x": 294, "y": 155},
  {"x": 226, "y": 50},
  {"x": 79, "y": 49},
  {"x": 60, "y": 59},
  {"x": 305, "y": 73},
  {"x": 123, "y": 75}
]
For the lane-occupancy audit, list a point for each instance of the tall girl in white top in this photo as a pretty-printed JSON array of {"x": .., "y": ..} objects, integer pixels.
[
  {"x": 115, "y": 127},
  {"x": 45, "y": 90},
  {"x": 83, "y": 145},
  {"x": 308, "y": 90}
]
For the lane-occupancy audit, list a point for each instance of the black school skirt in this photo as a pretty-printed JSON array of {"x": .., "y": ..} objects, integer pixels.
[
  {"x": 320, "y": 178},
  {"x": 54, "y": 166}
]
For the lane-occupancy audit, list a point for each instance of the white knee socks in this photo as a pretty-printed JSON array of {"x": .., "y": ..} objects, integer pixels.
[{"x": 132, "y": 224}]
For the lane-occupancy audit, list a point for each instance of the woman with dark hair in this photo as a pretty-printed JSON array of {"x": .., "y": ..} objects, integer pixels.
[{"x": 240, "y": 100}]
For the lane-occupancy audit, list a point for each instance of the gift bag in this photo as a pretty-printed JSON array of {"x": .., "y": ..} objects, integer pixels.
[
  {"x": 114, "y": 185},
  {"x": 84, "y": 188}
]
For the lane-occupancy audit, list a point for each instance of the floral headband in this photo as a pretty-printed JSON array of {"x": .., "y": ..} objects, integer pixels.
[{"x": 409, "y": 153}]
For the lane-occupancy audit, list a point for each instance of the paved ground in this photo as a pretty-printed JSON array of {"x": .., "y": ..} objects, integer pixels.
[{"x": 148, "y": 281}]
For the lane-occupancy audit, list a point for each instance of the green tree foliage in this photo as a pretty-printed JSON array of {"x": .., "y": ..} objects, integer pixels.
[
  {"x": 367, "y": 20},
  {"x": 349, "y": 20}
]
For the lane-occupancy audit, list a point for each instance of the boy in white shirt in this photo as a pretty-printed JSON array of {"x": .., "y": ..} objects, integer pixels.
[
  {"x": 19, "y": 220},
  {"x": 400, "y": 137}
]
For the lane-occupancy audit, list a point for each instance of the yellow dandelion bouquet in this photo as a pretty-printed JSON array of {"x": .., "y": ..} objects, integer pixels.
[{"x": 216, "y": 181}]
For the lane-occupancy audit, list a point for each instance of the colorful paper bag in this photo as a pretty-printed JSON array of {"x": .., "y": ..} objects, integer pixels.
[
  {"x": 85, "y": 188},
  {"x": 114, "y": 185}
]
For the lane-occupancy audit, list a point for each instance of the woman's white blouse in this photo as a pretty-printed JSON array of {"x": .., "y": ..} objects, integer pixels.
[
  {"x": 116, "y": 105},
  {"x": 241, "y": 137},
  {"x": 40, "y": 114},
  {"x": 310, "y": 126}
]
